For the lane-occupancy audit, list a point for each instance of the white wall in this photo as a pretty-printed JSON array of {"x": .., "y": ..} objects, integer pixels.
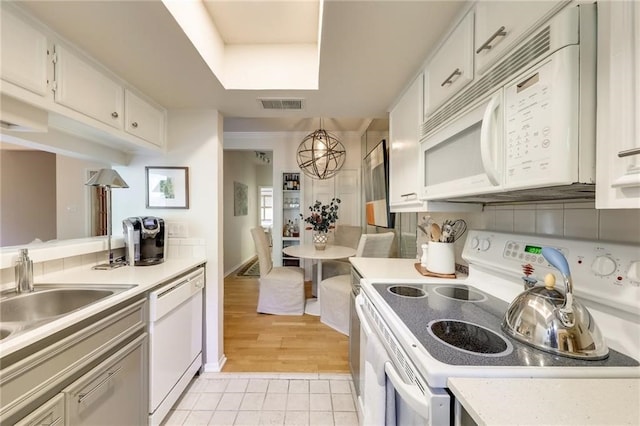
[
  {"x": 74, "y": 197},
  {"x": 195, "y": 141},
  {"x": 27, "y": 197},
  {"x": 239, "y": 167}
]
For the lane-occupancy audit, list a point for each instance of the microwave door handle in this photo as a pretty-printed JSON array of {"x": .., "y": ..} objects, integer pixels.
[
  {"x": 409, "y": 392},
  {"x": 485, "y": 141}
]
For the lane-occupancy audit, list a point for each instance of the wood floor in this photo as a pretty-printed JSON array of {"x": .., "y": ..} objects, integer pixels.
[{"x": 272, "y": 343}]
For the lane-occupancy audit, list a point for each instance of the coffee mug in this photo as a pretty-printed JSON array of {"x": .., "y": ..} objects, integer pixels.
[{"x": 441, "y": 258}]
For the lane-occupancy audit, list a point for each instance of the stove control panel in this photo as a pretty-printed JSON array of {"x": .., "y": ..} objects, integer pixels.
[{"x": 603, "y": 272}]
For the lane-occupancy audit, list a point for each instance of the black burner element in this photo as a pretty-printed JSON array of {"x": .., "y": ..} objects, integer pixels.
[
  {"x": 460, "y": 293},
  {"x": 403, "y": 290},
  {"x": 469, "y": 337}
]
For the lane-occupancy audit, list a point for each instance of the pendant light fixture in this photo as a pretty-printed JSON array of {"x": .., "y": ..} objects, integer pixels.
[{"x": 320, "y": 154}]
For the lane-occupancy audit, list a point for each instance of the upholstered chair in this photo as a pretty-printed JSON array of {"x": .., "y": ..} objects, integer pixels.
[
  {"x": 281, "y": 287},
  {"x": 335, "y": 291},
  {"x": 344, "y": 235}
]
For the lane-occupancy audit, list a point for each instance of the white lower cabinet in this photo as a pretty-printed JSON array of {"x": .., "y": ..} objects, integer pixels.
[
  {"x": 51, "y": 413},
  {"x": 114, "y": 392}
]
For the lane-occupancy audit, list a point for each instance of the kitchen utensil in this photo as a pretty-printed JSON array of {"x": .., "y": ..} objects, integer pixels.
[
  {"x": 435, "y": 232},
  {"x": 459, "y": 228},
  {"x": 425, "y": 226},
  {"x": 446, "y": 235},
  {"x": 554, "y": 322}
]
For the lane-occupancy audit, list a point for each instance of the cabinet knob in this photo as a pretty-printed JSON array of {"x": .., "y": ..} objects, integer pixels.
[
  {"x": 114, "y": 114},
  {"x": 134, "y": 124}
]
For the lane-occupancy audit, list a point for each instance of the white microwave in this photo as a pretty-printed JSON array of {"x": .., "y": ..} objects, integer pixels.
[{"x": 531, "y": 137}]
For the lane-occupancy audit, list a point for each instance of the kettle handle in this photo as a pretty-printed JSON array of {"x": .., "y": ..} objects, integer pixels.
[
  {"x": 559, "y": 261},
  {"x": 556, "y": 259}
]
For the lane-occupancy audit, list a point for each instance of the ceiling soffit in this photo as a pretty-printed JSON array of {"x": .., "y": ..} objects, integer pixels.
[{"x": 255, "y": 45}]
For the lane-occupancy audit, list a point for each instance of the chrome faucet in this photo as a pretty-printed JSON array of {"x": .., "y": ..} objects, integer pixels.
[{"x": 24, "y": 272}]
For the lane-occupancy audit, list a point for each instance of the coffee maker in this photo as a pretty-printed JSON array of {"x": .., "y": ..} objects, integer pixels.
[{"x": 144, "y": 240}]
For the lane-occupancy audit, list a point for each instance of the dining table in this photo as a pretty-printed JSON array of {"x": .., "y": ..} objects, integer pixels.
[{"x": 309, "y": 251}]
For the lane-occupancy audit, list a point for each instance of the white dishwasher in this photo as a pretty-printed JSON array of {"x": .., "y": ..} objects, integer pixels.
[{"x": 175, "y": 341}]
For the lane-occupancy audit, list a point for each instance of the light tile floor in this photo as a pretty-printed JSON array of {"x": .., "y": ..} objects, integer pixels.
[{"x": 226, "y": 399}]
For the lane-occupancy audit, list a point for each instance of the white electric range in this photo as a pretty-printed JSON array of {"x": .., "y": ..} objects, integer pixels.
[{"x": 432, "y": 329}]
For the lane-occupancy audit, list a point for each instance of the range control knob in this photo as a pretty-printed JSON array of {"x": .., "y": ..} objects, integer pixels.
[
  {"x": 634, "y": 272},
  {"x": 484, "y": 245},
  {"x": 603, "y": 266},
  {"x": 475, "y": 242}
]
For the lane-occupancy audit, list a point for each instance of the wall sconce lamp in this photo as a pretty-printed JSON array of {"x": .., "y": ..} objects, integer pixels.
[{"x": 108, "y": 178}]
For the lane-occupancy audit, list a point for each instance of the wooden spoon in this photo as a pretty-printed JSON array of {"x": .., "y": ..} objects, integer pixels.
[{"x": 435, "y": 232}]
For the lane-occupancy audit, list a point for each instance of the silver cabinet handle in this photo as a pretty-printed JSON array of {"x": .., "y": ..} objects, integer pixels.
[
  {"x": 629, "y": 152},
  {"x": 487, "y": 44},
  {"x": 449, "y": 79},
  {"x": 110, "y": 375},
  {"x": 114, "y": 114},
  {"x": 134, "y": 124},
  {"x": 409, "y": 194}
]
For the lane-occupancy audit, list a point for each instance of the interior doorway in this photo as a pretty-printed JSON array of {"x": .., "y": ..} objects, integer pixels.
[{"x": 248, "y": 171}]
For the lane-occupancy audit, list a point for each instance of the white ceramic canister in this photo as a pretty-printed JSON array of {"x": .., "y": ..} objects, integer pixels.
[{"x": 441, "y": 258}]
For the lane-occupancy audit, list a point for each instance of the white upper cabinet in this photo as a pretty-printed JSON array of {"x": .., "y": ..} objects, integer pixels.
[
  {"x": 451, "y": 68},
  {"x": 143, "y": 119},
  {"x": 23, "y": 55},
  {"x": 501, "y": 24},
  {"x": 618, "y": 116},
  {"x": 404, "y": 120},
  {"x": 87, "y": 90}
]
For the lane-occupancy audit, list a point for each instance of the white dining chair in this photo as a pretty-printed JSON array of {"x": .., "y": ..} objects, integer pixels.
[
  {"x": 335, "y": 291},
  {"x": 281, "y": 287},
  {"x": 347, "y": 236}
]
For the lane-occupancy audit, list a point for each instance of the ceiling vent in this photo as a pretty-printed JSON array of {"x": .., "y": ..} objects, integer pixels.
[{"x": 282, "y": 104}]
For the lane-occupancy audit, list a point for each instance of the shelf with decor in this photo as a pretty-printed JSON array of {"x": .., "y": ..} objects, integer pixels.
[{"x": 291, "y": 195}]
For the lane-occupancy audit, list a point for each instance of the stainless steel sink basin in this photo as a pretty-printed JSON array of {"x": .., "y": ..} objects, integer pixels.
[
  {"x": 21, "y": 312},
  {"x": 48, "y": 303},
  {"x": 4, "y": 333}
]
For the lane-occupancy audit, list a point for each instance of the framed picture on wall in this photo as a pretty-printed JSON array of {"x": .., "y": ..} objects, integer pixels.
[
  {"x": 376, "y": 187},
  {"x": 167, "y": 187}
]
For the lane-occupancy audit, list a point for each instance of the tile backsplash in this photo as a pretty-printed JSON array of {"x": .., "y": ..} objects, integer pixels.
[
  {"x": 571, "y": 220},
  {"x": 178, "y": 248}
]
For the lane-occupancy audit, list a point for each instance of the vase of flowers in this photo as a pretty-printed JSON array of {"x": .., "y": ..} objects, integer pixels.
[{"x": 322, "y": 218}]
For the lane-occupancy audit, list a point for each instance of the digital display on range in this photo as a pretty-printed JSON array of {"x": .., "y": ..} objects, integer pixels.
[{"x": 533, "y": 249}]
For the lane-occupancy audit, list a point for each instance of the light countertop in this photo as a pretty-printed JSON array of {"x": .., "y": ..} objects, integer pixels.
[
  {"x": 141, "y": 278},
  {"x": 391, "y": 268},
  {"x": 510, "y": 401}
]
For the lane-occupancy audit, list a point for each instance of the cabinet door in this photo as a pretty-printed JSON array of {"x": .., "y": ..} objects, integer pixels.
[
  {"x": 618, "y": 116},
  {"x": 451, "y": 68},
  {"x": 114, "y": 392},
  {"x": 50, "y": 413},
  {"x": 23, "y": 55},
  {"x": 501, "y": 24},
  {"x": 143, "y": 119},
  {"x": 404, "y": 121},
  {"x": 85, "y": 89}
]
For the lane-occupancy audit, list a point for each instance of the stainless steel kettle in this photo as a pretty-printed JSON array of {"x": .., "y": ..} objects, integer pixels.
[{"x": 549, "y": 320}]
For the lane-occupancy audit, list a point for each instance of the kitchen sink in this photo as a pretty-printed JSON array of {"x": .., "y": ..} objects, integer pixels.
[{"x": 23, "y": 311}]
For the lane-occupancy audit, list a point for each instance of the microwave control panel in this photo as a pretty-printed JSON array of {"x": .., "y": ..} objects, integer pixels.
[{"x": 539, "y": 122}]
